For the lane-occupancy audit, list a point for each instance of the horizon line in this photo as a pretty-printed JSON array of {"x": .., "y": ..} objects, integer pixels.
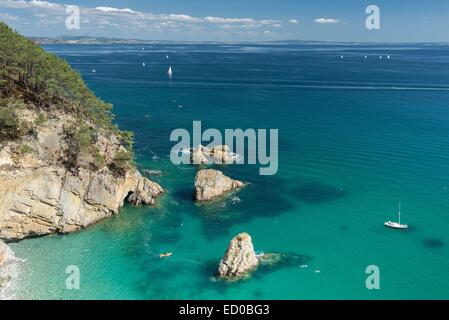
[{"x": 236, "y": 41}]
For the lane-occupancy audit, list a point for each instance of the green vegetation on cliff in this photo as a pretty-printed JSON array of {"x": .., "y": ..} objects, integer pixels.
[
  {"x": 34, "y": 79},
  {"x": 46, "y": 80}
]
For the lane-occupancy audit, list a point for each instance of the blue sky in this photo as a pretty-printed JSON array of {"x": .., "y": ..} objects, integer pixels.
[{"x": 234, "y": 20}]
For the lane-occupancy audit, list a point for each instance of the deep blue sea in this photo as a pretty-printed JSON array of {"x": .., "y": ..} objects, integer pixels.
[{"x": 356, "y": 137}]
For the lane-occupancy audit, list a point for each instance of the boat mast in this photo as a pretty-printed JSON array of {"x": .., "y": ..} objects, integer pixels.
[{"x": 399, "y": 213}]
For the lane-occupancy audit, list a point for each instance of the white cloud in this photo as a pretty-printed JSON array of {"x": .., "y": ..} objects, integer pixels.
[
  {"x": 110, "y": 9},
  {"x": 132, "y": 22},
  {"x": 36, "y": 4},
  {"x": 293, "y": 21},
  {"x": 242, "y": 22},
  {"x": 228, "y": 20},
  {"x": 17, "y": 4},
  {"x": 8, "y": 17},
  {"x": 174, "y": 17},
  {"x": 326, "y": 20},
  {"x": 44, "y": 4},
  {"x": 127, "y": 12}
]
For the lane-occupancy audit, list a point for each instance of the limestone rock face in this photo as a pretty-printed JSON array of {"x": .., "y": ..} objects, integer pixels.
[
  {"x": 239, "y": 259},
  {"x": 212, "y": 183},
  {"x": 40, "y": 201},
  {"x": 145, "y": 192},
  {"x": 63, "y": 163},
  {"x": 7, "y": 269},
  {"x": 40, "y": 194},
  {"x": 6, "y": 254}
]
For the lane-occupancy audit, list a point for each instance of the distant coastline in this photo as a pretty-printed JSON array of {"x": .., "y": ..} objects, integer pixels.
[{"x": 88, "y": 40}]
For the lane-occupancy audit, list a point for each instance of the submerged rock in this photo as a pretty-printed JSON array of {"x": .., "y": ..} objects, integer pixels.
[
  {"x": 239, "y": 259},
  {"x": 212, "y": 183},
  {"x": 152, "y": 172}
]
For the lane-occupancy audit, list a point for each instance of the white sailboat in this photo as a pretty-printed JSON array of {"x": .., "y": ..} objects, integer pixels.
[
  {"x": 397, "y": 225},
  {"x": 170, "y": 72}
]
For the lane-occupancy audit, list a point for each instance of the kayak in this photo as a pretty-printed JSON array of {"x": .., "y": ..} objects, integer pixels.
[{"x": 165, "y": 255}]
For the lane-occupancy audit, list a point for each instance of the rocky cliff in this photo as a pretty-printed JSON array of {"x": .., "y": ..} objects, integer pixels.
[
  {"x": 6, "y": 254},
  {"x": 7, "y": 259},
  {"x": 40, "y": 201},
  {"x": 63, "y": 164}
]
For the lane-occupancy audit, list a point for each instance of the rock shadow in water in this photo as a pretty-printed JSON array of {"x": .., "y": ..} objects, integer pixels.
[
  {"x": 184, "y": 194},
  {"x": 260, "y": 199},
  {"x": 163, "y": 278},
  {"x": 281, "y": 261},
  {"x": 433, "y": 243},
  {"x": 318, "y": 192},
  {"x": 209, "y": 279},
  {"x": 257, "y": 294}
]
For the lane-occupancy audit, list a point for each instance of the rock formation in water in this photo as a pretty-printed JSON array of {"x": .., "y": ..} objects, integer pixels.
[
  {"x": 239, "y": 258},
  {"x": 218, "y": 154},
  {"x": 199, "y": 155},
  {"x": 6, "y": 254},
  {"x": 63, "y": 164},
  {"x": 7, "y": 258},
  {"x": 221, "y": 154},
  {"x": 210, "y": 184}
]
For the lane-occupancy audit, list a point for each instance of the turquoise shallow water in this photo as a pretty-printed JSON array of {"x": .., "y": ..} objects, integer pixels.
[{"x": 356, "y": 137}]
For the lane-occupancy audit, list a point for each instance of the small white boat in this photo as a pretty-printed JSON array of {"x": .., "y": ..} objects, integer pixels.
[
  {"x": 143, "y": 64},
  {"x": 397, "y": 225},
  {"x": 93, "y": 70},
  {"x": 388, "y": 57},
  {"x": 167, "y": 57},
  {"x": 170, "y": 72}
]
